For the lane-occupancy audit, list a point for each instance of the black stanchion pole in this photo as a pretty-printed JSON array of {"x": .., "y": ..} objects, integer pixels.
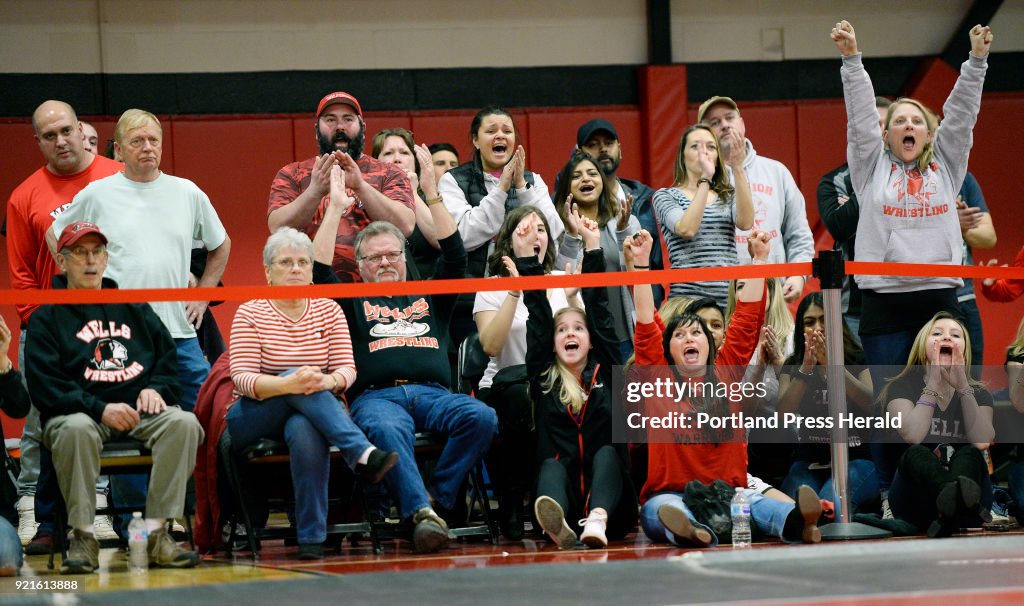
[{"x": 830, "y": 269}]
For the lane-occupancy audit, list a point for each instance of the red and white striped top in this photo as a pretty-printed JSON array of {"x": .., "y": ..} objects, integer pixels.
[{"x": 264, "y": 341}]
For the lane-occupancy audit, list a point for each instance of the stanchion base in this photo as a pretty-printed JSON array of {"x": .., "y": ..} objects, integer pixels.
[{"x": 837, "y": 531}]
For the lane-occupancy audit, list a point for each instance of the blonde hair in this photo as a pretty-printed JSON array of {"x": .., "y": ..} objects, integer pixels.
[
  {"x": 674, "y": 306},
  {"x": 570, "y": 392},
  {"x": 777, "y": 315},
  {"x": 1017, "y": 347},
  {"x": 132, "y": 119},
  {"x": 930, "y": 119},
  {"x": 919, "y": 354}
]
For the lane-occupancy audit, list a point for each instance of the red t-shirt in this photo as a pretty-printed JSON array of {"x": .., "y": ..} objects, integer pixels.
[
  {"x": 31, "y": 209},
  {"x": 388, "y": 179},
  {"x": 671, "y": 466}
]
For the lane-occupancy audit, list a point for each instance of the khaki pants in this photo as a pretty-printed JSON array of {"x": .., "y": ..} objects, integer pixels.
[{"x": 76, "y": 441}]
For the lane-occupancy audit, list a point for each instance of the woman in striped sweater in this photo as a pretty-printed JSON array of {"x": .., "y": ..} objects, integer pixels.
[{"x": 291, "y": 359}]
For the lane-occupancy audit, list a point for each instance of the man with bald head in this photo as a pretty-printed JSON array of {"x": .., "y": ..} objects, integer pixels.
[{"x": 31, "y": 209}]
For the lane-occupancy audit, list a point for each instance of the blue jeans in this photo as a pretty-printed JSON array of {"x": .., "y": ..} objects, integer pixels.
[
  {"x": 768, "y": 516},
  {"x": 130, "y": 489},
  {"x": 890, "y": 350},
  {"x": 10, "y": 546},
  {"x": 392, "y": 416},
  {"x": 861, "y": 482},
  {"x": 192, "y": 370},
  {"x": 1016, "y": 485},
  {"x": 310, "y": 424}
]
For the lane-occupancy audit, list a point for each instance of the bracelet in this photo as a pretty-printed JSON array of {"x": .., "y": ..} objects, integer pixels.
[
  {"x": 704, "y": 180},
  {"x": 806, "y": 374},
  {"x": 965, "y": 392},
  {"x": 337, "y": 384},
  {"x": 641, "y": 267},
  {"x": 512, "y": 294},
  {"x": 932, "y": 393},
  {"x": 435, "y": 200},
  {"x": 931, "y": 405}
]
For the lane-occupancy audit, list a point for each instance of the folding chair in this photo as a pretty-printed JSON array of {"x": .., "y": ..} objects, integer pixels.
[{"x": 258, "y": 458}]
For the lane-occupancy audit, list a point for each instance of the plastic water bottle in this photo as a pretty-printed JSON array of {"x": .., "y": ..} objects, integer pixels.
[
  {"x": 138, "y": 545},
  {"x": 740, "y": 520}
]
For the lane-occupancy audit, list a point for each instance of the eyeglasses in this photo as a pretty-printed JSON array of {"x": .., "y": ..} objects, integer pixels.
[
  {"x": 302, "y": 263},
  {"x": 82, "y": 253},
  {"x": 392, "y": 257}
]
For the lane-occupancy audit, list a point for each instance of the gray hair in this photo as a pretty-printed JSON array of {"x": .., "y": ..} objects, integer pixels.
[
  {"x": 286, "y": 237},
  {"x": 377, "y": 228}
]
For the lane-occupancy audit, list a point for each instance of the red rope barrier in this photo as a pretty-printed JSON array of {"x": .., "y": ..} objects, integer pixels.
[{"x": 471, "y": 285}]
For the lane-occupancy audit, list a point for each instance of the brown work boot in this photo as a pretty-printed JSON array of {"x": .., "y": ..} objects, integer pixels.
[
  {"x": 163, "y": 551},
  {"x": 430, "y": 533},
  {"x": 83, "y": 554}
]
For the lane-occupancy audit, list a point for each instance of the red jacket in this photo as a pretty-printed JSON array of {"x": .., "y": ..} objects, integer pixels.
[
  {"x": 1004, "y": 291},
  {"x": 671, "y": 466},
  {"x": 212, "y": 404}
]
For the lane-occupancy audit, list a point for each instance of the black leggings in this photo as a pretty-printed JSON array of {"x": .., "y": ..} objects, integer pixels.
[
  {"x": 610, "y": 489},
  {"x": 921, "y": 476}
]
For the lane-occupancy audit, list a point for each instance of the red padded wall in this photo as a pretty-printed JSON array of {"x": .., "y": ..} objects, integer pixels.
[{"x": 234, "y": 160}]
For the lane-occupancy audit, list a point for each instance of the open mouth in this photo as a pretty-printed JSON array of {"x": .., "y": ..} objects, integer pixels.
[
  {"x": 908, "y": 142},
  {"x": 500, "y": 148},
  {"x": 536, "y": 249},
  {"x": 691, "y": 355},
  {"x": 571, "y": 346},
  {"x": 587, "y": 188}
]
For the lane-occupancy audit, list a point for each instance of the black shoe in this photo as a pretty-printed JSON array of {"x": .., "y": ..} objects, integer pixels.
[
  {"x": 377, "y": 466},
  {"x": 510, "y": 510},
  {"x": 311, "y": 551},
  {"x": 962, "y": 496}
]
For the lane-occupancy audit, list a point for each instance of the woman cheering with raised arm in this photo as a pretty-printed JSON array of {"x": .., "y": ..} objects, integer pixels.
[{"x": 907, "y": 178}]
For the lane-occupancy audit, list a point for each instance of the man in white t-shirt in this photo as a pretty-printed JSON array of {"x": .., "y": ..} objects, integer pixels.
[{"x": 151, "y": 219}]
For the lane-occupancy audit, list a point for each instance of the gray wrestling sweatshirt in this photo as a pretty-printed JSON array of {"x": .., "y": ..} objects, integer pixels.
[{"x": 908, "y": 215}]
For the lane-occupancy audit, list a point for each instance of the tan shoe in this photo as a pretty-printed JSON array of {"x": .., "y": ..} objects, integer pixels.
[
  {"x": 552, "y": 519},
  {"x": 163, "y": 551},
  {"x": 430, "y": 532},
  {"x": 83, "y": 554}
]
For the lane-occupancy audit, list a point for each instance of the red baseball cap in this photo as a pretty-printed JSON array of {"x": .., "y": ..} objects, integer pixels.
[
  {"x": 338, "y": 97},
  {"x": 76, "y": 231}
]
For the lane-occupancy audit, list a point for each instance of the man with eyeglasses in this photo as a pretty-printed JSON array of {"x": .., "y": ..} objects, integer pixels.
[
  {"x": 100, "y": 371},
  {"x": 31, "y": 209},
  {"x": 400, "y": 344},
  {"x": 382, "y": 192}
]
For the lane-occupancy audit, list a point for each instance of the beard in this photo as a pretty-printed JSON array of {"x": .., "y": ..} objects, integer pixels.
[
  {"x": 355, "y": 145},
  {"x": 609, "y": 165}
]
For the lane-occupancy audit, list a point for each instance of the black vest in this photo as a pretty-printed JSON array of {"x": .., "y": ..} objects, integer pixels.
[{"x": 470, "y": 178}]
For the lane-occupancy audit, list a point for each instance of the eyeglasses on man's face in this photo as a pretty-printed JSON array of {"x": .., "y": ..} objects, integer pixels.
[
  {"x": 81, "y": 253},
  {"x": 393, "y": 257}
]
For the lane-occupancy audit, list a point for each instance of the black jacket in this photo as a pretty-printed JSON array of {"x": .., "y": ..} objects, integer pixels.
[
  {"x": 79, "y": 358},
  {"x": 559, "y": 436}
]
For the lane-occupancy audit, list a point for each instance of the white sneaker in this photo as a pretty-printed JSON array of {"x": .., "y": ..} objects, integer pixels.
[
  {"x": 176, "y": 527},
  {"x": 552, "y": 519},
  {"x": 103, "y": 528},
  {"x": 26, "y": 508},
  {"x": 594, "y": 526}
]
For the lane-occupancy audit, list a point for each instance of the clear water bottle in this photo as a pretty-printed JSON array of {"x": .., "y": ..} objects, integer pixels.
[
  {"x": 138, "y": 544},
  {"x": 740, "y": 520}
]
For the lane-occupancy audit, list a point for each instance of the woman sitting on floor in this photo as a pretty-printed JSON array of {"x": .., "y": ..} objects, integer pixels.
[
  {"x": 685, "y": 347},
  {"x": 570, "y": 360},
  {"x": 942, "y": 481}
]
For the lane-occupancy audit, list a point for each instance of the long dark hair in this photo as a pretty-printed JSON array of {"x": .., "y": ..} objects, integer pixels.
[
  {"x": 503, "y": 243},
  {"x": 607, "y": 204},
  {"x": 712, "y": 405},
  {"x": 853, "y": 353}
]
